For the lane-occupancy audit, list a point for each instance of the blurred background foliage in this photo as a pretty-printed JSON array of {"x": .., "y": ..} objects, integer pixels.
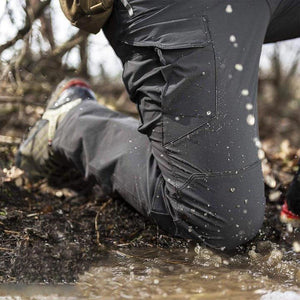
[{"x": 38, "y": 48}]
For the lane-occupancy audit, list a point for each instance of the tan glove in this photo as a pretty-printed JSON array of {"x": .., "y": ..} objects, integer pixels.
[{"x": 88, "y": 15}]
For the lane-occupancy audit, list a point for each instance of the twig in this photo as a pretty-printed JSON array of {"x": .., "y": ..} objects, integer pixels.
[
  {"x": 122, "y": 254},
  {"x": 58, "y": 52},
  {"x": 12, "y": 232},
  {"x": 96, "y": 221},
  {"x": 9, "y": 140},
  {"x": 71, "y": 43},
  {"x": 6, "y": 249},
  {"x": 33, "y": 215}
]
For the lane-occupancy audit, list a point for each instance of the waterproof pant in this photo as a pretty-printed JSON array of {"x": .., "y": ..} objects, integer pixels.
[{"x": 191, "y": 162}]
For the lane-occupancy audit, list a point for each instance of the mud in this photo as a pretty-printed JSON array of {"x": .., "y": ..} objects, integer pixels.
[{"x": 53, "y": 236}]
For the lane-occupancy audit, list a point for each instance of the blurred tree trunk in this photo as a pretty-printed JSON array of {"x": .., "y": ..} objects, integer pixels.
[
  {"x": 83, "y": 50},
  {"x": 47, "y": 29},
  {"x": 282, "y": 78},
  {"x": 279, "y": 104}
]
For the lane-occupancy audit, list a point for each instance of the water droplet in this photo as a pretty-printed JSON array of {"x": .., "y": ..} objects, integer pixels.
[
  {"x": 246, "y": 201},
  {"x": 203, "y": 73},
  {"x": 190, "y": 229},
  {"x": 232, "y": 190},
  {"x": 130, "y": 141},
  {"x": 232, "y": 38},
  {"x": 249, "y": 106},
  {"x": 208, "y": 112},
  {"x": 250, "y": 119},
  {"x": 161, "y": 155},
  {"x": 193, "y": 210},
  {"x": 235, "y": 45},
  {"x": 177, "y": 118},
  {"x": 245, "y": 211},
  {"x": 228, "y": 9},
  {"x": 261, "y": 154},
  {"x": 257, "y": 142},
  {"x": 239, "y": 67},
  {"x": 237, "y": 225},
  {"x": 245, "y": 92}
]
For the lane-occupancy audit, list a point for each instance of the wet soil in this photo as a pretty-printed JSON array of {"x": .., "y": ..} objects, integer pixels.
[{"x": 52, "y": 236}]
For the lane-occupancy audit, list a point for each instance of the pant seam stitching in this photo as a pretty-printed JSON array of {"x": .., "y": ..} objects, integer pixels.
[{"x": 220, "y": 174}]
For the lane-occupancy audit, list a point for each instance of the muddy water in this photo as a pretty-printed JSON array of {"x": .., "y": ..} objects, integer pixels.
[{"x": 196, "y": 273}]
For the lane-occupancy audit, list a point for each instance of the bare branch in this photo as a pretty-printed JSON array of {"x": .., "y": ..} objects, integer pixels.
[
  {"x": 71, "y": 43},
  {"x": 58, "y": 52},
  {"x": 23, "y": 31}
]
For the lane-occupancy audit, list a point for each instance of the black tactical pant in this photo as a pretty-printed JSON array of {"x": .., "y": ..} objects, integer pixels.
[{"x": 192, "y": 69}]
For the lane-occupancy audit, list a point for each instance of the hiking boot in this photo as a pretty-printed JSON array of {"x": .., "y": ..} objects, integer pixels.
[
  {"x": 287, "y": 217},
  {"x": 293, "y": 194},
  {"x": 290, "y": 212},
  {"x": 35, "y": 155}
]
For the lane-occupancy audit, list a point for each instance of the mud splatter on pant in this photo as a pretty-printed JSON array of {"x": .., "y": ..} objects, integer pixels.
[{"x": 192, "y": 69}]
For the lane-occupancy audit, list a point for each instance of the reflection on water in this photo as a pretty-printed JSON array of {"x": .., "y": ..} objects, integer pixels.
[
  {"x": 184, "y": 274},
  {"x": 37, "y": 292},
  {"x": 264, "y": 273}
]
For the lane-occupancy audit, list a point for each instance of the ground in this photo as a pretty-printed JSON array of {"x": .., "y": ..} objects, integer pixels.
[{"x": 52, "y": 235}]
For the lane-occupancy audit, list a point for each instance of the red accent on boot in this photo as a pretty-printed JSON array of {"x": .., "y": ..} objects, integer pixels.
[
  {"x": 76, "y": 82},
  {"x": 286, "y": 216}
]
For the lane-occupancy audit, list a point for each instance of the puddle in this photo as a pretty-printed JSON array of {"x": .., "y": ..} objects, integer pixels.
[
  {"x": 38, "y": 292},
  {"x": 183, "y": 274},
  {"x": 264, "y": 273}
]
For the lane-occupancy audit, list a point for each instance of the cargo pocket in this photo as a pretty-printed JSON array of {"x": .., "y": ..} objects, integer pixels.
[{"x": 187, "y": 62}]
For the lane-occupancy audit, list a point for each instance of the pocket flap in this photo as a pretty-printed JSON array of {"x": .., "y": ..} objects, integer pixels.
[{"x": 163, "y": 30}]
